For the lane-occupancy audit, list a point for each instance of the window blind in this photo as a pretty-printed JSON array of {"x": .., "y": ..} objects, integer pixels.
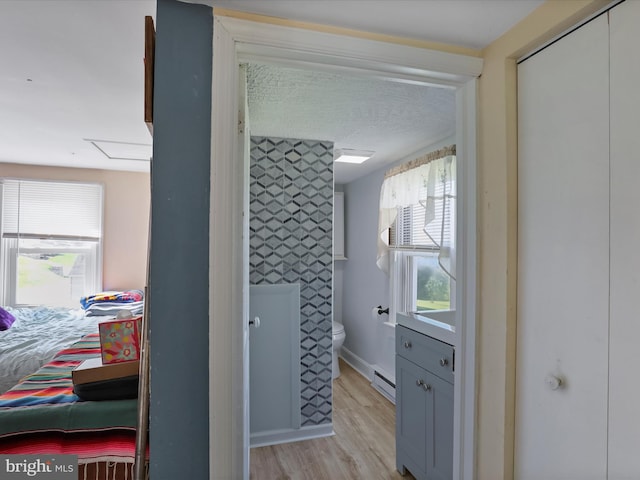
[
  {"x": 408, "y": 230},
  {"x": 52, "y": 209}
]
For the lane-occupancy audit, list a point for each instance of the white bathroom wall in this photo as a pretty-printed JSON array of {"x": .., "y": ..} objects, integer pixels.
[
  {"x": 363, "y": 285},
  {"x": 338, "y": 275}
]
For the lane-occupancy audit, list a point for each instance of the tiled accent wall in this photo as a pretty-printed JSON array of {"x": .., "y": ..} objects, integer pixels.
[{"x": 291, "y": 207}]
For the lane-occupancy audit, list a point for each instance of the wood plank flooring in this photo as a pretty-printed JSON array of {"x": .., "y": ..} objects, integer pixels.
[{"x": 362, "y": 448}]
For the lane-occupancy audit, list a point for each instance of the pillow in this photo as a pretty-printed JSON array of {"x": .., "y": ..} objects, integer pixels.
[{"x": 6, "y": 319}]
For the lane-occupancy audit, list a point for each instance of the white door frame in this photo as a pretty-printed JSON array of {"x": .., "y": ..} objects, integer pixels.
[{"x": 235, "y": 41}]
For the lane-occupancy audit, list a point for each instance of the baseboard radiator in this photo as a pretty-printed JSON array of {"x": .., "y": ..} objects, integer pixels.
[{"x": 385, "y": 386}]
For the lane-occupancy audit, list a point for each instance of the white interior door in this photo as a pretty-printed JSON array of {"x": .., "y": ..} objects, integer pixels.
[
  {"x": 624, "y": 355},
  {"x": 563, "y": 258}
]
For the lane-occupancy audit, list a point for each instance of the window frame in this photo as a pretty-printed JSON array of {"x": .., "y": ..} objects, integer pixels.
[
  {"x": 92, "y": 266},
  {"x": 9, "y": 252},
  {"x": 403, "y": 267},
  {"x": 403, "y": 284}
]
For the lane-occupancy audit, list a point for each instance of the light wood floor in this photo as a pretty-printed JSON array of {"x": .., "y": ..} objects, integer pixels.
[{"x": 362, "y": 448}]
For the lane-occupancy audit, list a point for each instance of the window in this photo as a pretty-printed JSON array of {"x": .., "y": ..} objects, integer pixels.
[
  {"x": 51, "y": 233},
  {"x": 422, "y": 235}
]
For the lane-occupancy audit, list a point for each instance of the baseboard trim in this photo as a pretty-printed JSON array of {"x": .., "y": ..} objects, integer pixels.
[
  {"x": 388, "y": 374},
  {"x": 358, "y": 364},
  {"x": 384, "y": 383},
  {"x": 275, "y": 437}
]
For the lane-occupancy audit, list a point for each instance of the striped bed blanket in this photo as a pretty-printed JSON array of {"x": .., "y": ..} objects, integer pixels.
[{"x": 42, "y": 415}]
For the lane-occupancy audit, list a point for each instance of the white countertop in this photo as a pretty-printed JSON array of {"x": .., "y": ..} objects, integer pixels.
[{"x": 437, "y": 324}]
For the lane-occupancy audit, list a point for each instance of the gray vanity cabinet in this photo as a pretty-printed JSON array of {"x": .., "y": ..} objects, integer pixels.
[{"x": 424, "y": 406}]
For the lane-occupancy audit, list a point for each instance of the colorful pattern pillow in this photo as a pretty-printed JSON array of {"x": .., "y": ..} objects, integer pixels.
[{"x": 6, "y": 319}]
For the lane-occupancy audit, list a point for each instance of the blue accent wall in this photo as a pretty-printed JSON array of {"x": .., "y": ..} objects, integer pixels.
[{"x": 179, "y": 254}]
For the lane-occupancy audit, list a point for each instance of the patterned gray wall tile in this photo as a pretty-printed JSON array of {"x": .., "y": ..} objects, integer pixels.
[{"x": 291, "y": 209}]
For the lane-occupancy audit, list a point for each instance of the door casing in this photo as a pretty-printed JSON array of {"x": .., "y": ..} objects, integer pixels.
[{"x": 235, "y": 41}]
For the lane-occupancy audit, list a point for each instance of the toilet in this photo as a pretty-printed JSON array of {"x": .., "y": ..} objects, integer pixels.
[{"x": 338, "y": 340}]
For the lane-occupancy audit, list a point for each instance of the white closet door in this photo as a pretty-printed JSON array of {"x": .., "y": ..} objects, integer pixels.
[
  {"x": 563, "y": 258},
  {"x": 624, "y": 358}
]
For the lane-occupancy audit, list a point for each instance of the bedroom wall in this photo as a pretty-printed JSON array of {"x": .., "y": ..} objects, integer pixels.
[{"x": 126, "y": 217}]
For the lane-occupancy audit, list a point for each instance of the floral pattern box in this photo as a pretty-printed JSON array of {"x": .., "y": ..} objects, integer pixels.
[{"x": 120, "y": 340}]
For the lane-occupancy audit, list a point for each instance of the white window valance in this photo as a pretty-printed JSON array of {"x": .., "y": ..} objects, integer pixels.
[{"x": 426, "y": 186}]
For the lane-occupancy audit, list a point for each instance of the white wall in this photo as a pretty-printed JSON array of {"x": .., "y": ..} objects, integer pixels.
[
  {"x": 338, "y": 275},
  {"x": 364, "y": 285}
]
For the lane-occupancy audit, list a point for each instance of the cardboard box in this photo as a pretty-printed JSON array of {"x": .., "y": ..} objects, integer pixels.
[
  {"x": 92, "y": 370},
  {"x": 120, "y": 340}
]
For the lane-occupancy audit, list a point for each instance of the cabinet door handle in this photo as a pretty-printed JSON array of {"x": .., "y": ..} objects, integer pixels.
[
  {"x": 425, "y": 386},
  {"x": 444, "y": 362},
  {"x": 407, "y": 344}
]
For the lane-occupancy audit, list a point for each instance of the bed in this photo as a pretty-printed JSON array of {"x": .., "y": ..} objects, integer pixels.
[
  {"x": 42, "y": 415},
  {"x": 37, "y": 334}
]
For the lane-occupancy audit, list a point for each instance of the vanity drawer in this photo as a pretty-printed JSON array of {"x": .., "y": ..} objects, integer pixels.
[{"x": 426, "y": 352}]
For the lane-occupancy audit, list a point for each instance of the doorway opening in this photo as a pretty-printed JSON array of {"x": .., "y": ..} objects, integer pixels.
[
  {"x": 238, "y": 41},
  {"x": 296, "y": 119}
]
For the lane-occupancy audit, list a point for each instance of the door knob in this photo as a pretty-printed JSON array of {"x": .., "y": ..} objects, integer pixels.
[
  {"x": 255, "y": 322},
  {"x": 407, "y": 344},
  {"x": 444, "y": 362},
  {"x": 554, "y": 382}
]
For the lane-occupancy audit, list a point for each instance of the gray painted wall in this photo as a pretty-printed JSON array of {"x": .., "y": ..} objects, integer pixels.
[
  {"x": 338, "y": 275},
  {"x": 179, "y": 266},
  {"x": 291, "y": 238},
  {"x": 363, "y": 284}
]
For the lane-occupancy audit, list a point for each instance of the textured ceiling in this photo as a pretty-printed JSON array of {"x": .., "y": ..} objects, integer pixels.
[{"x": 391, "y": 118}]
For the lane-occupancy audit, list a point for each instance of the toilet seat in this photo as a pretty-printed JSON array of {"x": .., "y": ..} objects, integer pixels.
[{"x": 337, "y": 328}]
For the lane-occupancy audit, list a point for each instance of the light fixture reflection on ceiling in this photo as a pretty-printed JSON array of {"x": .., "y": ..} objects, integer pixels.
[{"x": 346, "y": 155}]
